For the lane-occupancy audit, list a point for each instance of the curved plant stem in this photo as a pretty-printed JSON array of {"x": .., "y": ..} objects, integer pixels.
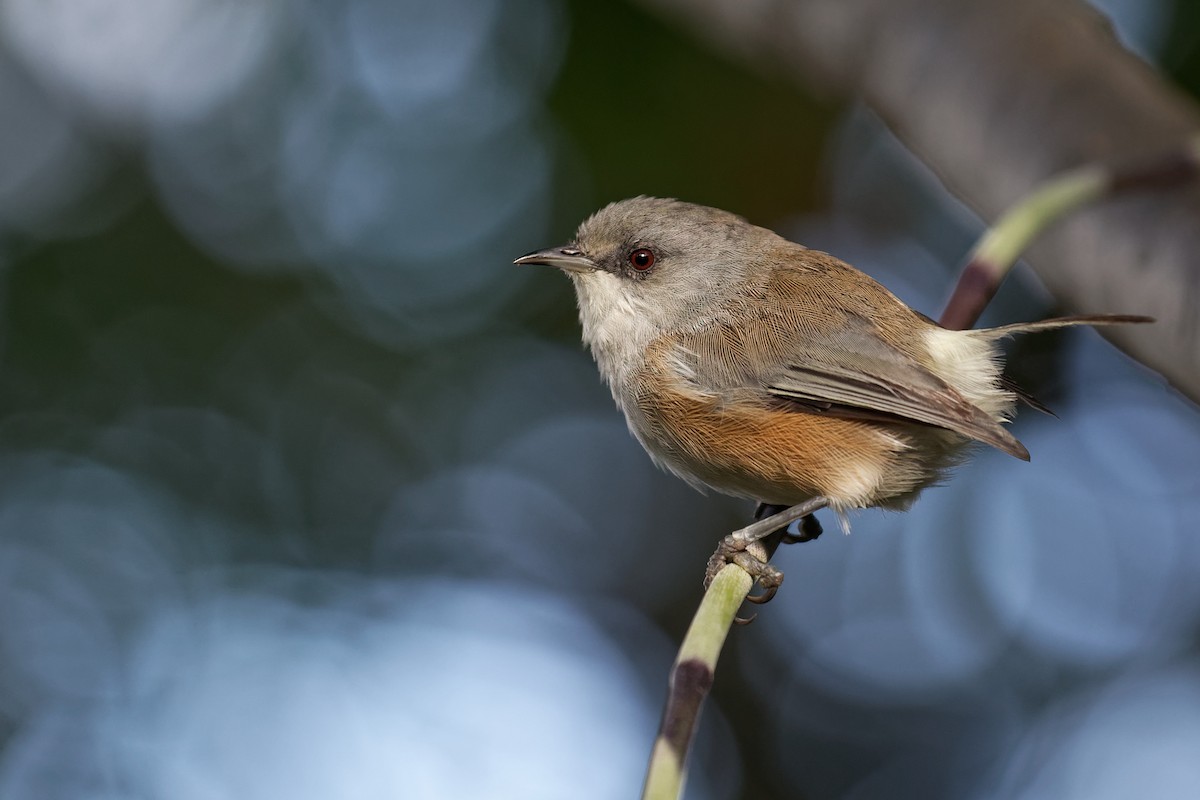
[
  {"x": 691, "y": 678},
  {"x": 1000, "y": 246},
  {"x": 1003, "y": 243}
]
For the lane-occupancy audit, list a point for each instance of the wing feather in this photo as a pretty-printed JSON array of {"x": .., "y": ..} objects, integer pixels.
[{"x": 849, "y": 369}]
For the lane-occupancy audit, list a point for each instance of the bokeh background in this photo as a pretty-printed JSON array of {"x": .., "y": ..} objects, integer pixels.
[{"x": 307, "y": 492}]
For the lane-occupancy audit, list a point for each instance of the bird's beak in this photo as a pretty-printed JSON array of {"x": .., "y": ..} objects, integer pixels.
[{"x": 570, "y": 259}]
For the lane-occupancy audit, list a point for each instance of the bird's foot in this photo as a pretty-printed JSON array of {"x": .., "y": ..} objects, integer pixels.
[
  {"x": 753, "y": 556},
  {"x": 750, "y": 557}
]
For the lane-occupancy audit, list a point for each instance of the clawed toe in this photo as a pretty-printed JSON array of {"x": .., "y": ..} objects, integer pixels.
[
  {"x": 730, "y": 551},
  {"x": 752, "y": 546},
  {"x": 765, "y": 596}
]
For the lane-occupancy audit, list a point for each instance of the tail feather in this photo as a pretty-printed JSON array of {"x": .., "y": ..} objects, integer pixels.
[
  {"x": 1009, "y": 385},
  {"x": 992, "y": 334},
  {"x": 1060, "y": 322}
]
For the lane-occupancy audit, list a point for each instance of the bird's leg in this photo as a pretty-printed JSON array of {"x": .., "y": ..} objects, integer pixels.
[
  {"x": 766, "y": 525},
  {"x": 745, "y": 548},
  {"x": 810, "y": 526}
]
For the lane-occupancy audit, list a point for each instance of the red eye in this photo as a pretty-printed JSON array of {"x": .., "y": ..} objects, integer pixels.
[{"x": 642, "y": 259}]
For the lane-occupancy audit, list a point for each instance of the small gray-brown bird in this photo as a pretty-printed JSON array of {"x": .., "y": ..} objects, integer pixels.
[{"x": 762, "y": 369}]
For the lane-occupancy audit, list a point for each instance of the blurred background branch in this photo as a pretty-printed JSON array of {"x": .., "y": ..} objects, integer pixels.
[{"x": 996, "y": 96}]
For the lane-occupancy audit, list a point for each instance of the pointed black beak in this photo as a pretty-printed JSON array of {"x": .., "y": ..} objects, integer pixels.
[{"x": 566, "y": 258}]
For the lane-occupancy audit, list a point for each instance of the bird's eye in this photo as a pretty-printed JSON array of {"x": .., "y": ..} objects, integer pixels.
[{"x": 642, "y": 259}]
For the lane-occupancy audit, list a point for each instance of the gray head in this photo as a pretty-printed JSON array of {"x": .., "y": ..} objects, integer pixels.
[
  {"x": 648, "y": 265},
  {"x": 658, "y": 241}
]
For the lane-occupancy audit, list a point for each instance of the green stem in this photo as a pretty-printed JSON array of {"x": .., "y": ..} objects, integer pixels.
[
  {"x": 1012, "y": 233},
  {"x": 691, "y": 679},
  {"x": 1003, "y": 243}
]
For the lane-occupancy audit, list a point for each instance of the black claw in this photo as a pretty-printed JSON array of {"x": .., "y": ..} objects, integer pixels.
[
  {"x": 810, "y": 528},
  {"x": 745, "y": 620}
]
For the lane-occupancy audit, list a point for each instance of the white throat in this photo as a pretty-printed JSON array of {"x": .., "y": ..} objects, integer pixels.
[{"x": 617, "y": 325}]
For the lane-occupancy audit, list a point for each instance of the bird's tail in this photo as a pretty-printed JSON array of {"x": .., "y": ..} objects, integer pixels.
[
  {"x": 992, "y": 334},
  {"x": 1059, "y": 322}
]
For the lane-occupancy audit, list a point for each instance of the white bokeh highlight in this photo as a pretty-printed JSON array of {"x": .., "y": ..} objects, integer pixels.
[{"x": 130, "y": 61}]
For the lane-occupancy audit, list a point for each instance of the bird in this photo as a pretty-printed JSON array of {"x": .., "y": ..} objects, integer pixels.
[{"x": 751, "y": 365}]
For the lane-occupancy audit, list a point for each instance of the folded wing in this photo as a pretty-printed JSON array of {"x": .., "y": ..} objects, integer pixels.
[{"x": 852, "y": 372}]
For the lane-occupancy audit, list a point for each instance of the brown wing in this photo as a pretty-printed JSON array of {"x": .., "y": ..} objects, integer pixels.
[
  {"x": 820, "y": 351},
  {"x": 855, "y": 371}
]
